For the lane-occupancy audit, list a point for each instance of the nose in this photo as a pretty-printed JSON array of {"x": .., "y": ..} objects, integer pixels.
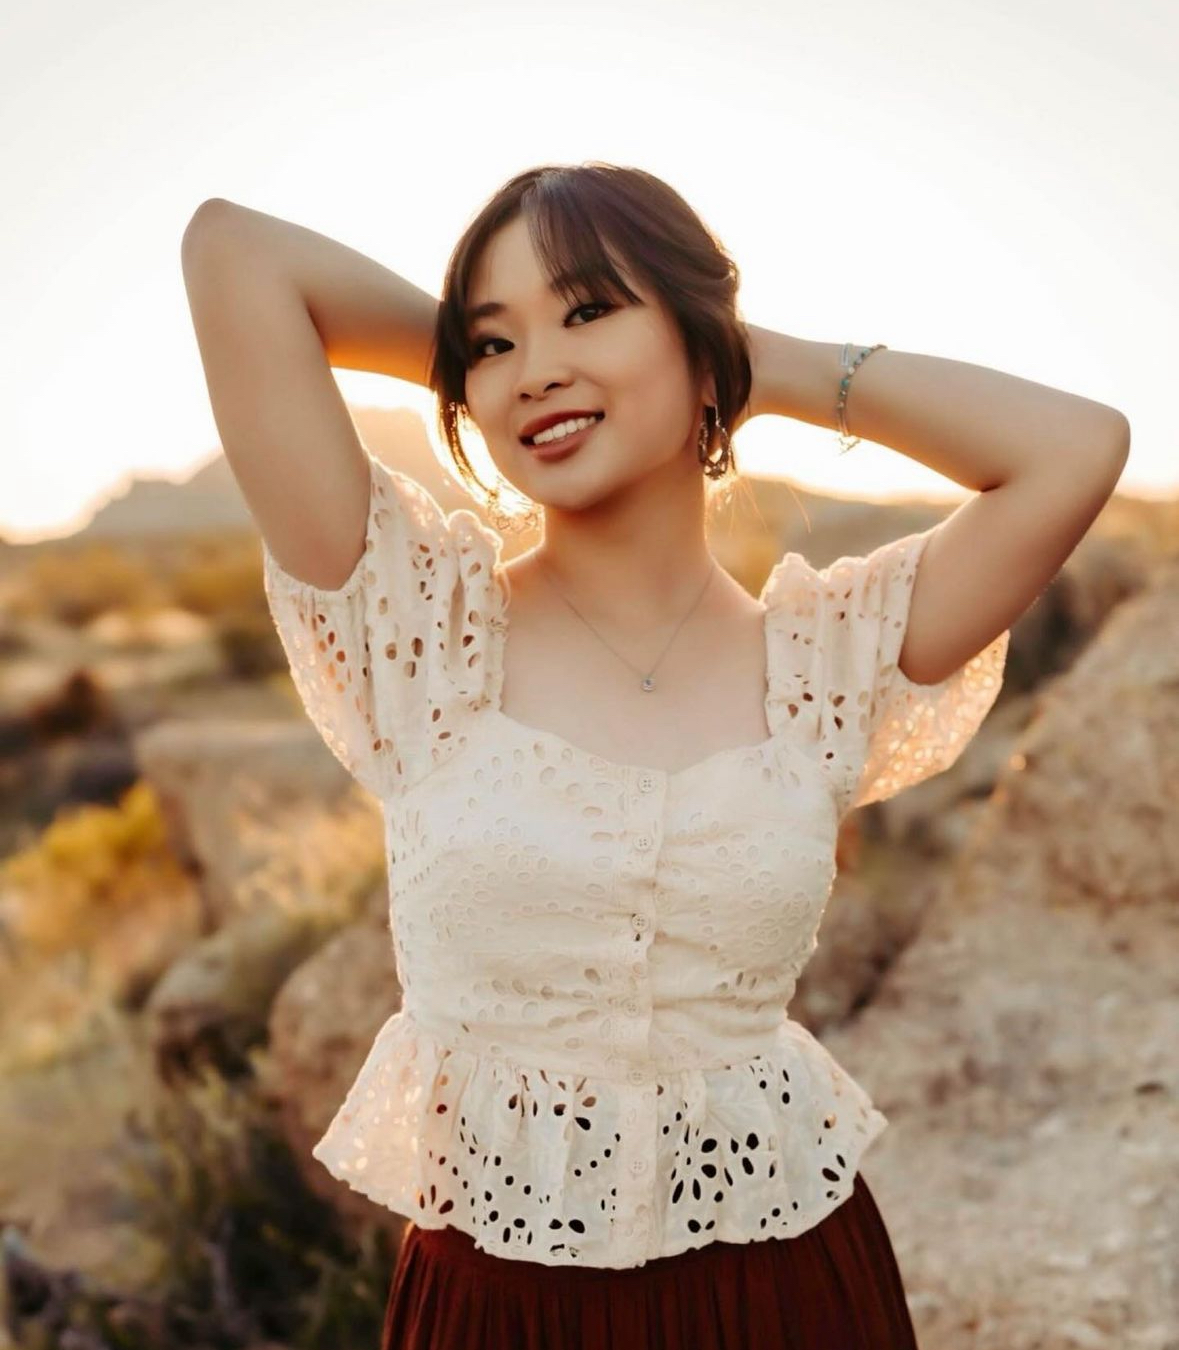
[
  {"x": 539, "y": 372},
  {"x": 531, "y": 393}
]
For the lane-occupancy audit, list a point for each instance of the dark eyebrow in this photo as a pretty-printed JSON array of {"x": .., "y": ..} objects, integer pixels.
[{"x": 492, "y": 307}]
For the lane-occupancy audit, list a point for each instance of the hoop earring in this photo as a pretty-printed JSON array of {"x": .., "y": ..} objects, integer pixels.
[{"x": 714, "y": 468}]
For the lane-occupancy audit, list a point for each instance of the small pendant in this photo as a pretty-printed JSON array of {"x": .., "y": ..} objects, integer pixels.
[{"x": 648, "y": 683}]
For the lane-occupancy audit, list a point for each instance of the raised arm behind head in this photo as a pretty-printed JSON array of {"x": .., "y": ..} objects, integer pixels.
[{"x": 275, "y": 306}]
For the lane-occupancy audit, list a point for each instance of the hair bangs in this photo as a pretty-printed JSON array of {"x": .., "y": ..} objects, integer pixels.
[{"x": 575, "y": 257}]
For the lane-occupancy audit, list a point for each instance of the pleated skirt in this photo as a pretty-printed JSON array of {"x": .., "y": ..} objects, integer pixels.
[{"x": 836, "y": 1286}]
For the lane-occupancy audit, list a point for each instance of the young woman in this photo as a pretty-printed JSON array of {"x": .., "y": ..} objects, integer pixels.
[{"x": 612, "y": 780}]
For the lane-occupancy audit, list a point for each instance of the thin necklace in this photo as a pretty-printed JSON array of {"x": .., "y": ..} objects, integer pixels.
[{"x": 646, "y": 681}]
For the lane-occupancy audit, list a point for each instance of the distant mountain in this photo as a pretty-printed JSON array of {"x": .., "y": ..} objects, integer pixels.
[
  {"x": 210, "y": 501},
  {"x": 206, "y": 502},
  {"x": 822, "y": 528}
]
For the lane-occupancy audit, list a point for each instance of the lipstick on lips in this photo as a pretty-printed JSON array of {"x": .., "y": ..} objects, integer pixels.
[{"x": 566, "y": 445}]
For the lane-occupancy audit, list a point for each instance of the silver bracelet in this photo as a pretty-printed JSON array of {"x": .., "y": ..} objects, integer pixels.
[{"x": 845, "y": 439}]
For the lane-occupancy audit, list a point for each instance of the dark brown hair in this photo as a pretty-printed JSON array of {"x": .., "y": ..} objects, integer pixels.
[{"x": 574, "y": 214}]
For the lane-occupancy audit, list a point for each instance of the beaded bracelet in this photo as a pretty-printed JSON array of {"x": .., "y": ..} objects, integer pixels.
[{"x": 845, "y": 439}]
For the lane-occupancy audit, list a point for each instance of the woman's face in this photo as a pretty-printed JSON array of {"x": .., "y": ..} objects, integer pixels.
[{"x": 540, "y": 355}]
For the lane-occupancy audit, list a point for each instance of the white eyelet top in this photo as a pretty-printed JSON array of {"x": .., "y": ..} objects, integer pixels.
[{"x": 593, "y": 1063}]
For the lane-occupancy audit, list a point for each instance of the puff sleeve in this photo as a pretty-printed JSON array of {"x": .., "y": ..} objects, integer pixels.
[
  {"x": 837, "y": 635},
  {"x": 385, "y": 663}
]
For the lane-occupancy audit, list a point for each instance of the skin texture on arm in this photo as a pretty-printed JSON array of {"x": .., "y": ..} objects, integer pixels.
[
  {"x": 1044, "y": 462},
  {"x": 286, "y": 432},
  {"x": 367, "y": 317}
]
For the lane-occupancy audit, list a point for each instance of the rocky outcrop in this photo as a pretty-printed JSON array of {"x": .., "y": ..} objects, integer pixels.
[
  {"x": 1023, "y": 1043},
  {"x": 213, "y": 1005},
  {"x": 321, "y": 1028},
  {"x": 257, "y": 810}
]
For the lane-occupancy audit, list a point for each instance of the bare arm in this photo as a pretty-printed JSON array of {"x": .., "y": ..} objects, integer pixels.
[
  {"x": 274, "y": 306},
  {"x": 367, "y": 317},
  {"x": 1043, "y": 463}
]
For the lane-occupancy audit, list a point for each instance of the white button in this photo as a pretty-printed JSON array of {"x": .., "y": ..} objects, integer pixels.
[
  {"x": 637, "y": 1076},
  {"x": 646, "y": 783},
  {"x": 639, "y": 921},
  {"x": 638, "y": 1165},
  {"x": 631, "y": 1006},
  {"x": 643, "y": 841}
]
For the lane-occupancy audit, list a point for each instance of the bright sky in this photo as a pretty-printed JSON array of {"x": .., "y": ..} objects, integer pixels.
[{"x": 981, "y": 181}]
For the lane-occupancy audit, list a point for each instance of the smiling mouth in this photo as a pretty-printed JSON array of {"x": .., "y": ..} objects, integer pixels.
[
  {"x": 533, "y": 444},
  {"x": 553, "y": 452}
]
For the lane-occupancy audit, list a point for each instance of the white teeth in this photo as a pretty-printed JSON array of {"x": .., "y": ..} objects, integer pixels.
[{"x": 562, "y": 429}]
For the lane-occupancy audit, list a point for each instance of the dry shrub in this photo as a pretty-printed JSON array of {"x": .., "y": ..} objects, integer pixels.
[{"x": 75, "y": 585}]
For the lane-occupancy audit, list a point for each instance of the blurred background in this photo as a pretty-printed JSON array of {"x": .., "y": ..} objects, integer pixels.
[{"x": 194, "y": 947}]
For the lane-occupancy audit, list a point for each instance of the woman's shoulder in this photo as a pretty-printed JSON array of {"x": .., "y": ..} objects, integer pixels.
[{"x": 386, "y": 663}]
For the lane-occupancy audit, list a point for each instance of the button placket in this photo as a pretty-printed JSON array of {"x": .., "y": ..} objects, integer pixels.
[
  {"x": 635, "y": 1159},
  {"x": 647, "y": 826},
  {"x": 631, "y": 1026}
]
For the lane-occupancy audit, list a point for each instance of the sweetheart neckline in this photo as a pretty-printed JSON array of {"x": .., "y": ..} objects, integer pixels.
[
  {"x": 523, "y": 728},
  {"x": 500, "y": 628}
]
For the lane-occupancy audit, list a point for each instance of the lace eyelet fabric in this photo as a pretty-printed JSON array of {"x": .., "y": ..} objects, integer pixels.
[{"x": 593, "y": 1063}]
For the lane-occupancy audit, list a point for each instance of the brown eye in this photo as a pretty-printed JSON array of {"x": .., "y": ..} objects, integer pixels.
[{"x": 476, "y": 352}]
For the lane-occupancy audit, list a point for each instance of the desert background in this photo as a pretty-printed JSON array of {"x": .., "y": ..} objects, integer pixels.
[
  {"x": 194, "y": 926},
  {"x": 195, "y": 955}
]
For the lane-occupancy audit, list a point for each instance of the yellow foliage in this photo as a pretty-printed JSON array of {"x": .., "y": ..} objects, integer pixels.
[
  {"x": 73, "y": 585},
  {"x": 224, "y": 579},
  {"x": 88, "y": 862}
]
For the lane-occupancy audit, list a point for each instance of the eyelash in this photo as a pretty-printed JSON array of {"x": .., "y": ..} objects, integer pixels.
[{"x": 479, "y": 342}]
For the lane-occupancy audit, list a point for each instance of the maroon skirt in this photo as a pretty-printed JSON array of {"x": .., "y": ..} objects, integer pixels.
[{"x": 836, "y": 1286}]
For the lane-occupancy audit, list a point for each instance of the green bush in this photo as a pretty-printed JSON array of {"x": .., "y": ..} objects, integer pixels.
[{"x": 246, "y": 1254}]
